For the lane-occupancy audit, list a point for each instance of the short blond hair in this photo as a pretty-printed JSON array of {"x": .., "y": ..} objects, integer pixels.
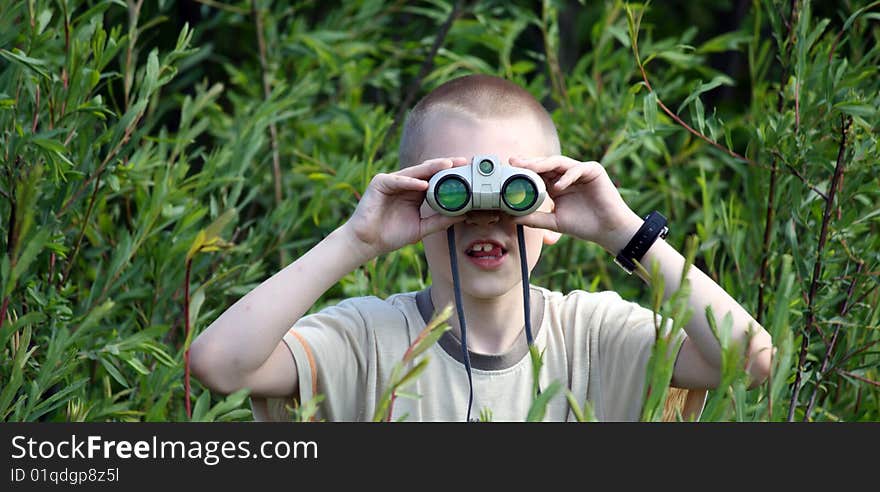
[{"x": 479, "y": 97}]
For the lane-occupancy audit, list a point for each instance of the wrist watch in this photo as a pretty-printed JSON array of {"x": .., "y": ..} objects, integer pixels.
[{"x": 653, "y": 227}]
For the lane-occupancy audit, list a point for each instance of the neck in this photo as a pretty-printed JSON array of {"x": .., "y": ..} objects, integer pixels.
[{"x": 494, "y": 325}]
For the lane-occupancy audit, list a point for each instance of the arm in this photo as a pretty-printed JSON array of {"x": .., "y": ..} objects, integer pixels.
[
  {"x": 243, "y": 348},
  {"x": 699, "y": 361},
  {"x": 587, "y": 205}
]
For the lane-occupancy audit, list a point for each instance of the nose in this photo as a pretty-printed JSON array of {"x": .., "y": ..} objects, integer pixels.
[{"x": 482, "y": 217}]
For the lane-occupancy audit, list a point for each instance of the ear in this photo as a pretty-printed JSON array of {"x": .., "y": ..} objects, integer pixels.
[{"x": 550, "y": 237}]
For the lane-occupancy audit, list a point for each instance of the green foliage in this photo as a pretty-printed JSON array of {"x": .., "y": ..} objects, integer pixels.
[
  {"x": 408, "y": 370},
  {"x": 134, "y": 135}
]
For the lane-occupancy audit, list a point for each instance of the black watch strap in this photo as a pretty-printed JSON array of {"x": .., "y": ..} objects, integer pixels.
[{"x": 654, "y": 227}]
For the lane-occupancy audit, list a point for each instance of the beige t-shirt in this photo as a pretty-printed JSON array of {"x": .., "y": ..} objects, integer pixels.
[{"x": 596, "y": 344}]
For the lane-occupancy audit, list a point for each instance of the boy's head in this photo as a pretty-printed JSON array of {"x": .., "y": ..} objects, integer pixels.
[{"x": 480, "y": 114}]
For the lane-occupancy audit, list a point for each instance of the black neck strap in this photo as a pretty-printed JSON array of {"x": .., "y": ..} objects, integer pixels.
[{"x": 456, "y": 284}]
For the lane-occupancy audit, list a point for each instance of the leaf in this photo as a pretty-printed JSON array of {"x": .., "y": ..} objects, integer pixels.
[
  {"x": 30, "y": 252},
  {"x": 728, "y": 41},
  {"x": 18, "y": 57},
  {"x": 539, "y": 405},
  {"x": 856, "y": 109},
  {"x": 649, "y": 107},
  {"x": 200, "y": 409},
  {"x": 18, "y": 361},
  {"x": 413, "y": 373},
  {"x": 705, "y": 87},
  {"x": 229, "y": 404},
  {"x": 113, "y": 371},
  {"x": 137, "y": 365},
  {"x": 208, "y": 239}
]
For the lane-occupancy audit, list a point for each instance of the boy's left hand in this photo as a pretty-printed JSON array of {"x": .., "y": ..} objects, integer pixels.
[{"x": 587, "y": 204}]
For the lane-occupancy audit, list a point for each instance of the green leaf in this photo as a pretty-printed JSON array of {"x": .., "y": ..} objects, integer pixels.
[
  {"x": 113, "y": 371},
  {"x": 200, "y": 409},
  {"x": 30, "y": 252},
  {"x": 649, "y": 107},
  {"x": 856, "y": 109},
  {"x": 137, "y": 365},
  {"x": 705, "y": 87},
  {"x": 539, "y": 405},
  {"x": 18, "y": 57},
  {"x": 413, "y": 374},
  {"x": 229, "y": 404}
]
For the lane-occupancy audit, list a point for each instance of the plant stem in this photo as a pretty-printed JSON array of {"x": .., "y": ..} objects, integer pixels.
[
  {"x": 186, "y": 388},
  {"x": 82, "y": 232},
  {"x": 844, "y": 308},
  {"x": 36, "y": 109},
  {"x": 134, "y": 10},
  {"x": 860, "y": 378},
  {"x": 774, "y": 172},
  {"x": 426, "y": 67},
  {"x": 3, "y": 309},
  {"x": 267, "y": 93},
  {"x": 817, "y": 266}
]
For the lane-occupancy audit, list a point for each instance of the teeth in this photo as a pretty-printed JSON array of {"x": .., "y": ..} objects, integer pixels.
[{"x": 482, "y": 247}]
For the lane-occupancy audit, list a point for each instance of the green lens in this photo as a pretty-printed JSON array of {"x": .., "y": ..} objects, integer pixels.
[
  {"x": 486, "y": 166},
  {"x": 519, "y": 193},
  {"x": 452, "y": 194}
]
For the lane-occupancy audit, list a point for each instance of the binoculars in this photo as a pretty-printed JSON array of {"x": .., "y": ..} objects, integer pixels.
[{"x": 486, "y": 184}]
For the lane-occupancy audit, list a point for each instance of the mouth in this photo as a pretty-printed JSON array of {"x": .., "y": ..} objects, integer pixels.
[{"x": 486, "y": 254}]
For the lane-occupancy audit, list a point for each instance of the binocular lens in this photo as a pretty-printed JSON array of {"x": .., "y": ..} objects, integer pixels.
[
  {"x": 486, "y": 167},
  {"x": 519, "y": 193},
  {"x": 452, "y": 193}
]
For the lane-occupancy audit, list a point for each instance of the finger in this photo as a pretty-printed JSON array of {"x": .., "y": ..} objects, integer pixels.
[
  {"x": 431, "y": 167},
  {"x": 438, "y": 222},
  {"x": 568, "y": 178},
  {"x": 583, "y": 173},
  {"x": 540, "y": 220},
  {"x": 395, "y": 183},
  {"x": 540, "y": 165}
]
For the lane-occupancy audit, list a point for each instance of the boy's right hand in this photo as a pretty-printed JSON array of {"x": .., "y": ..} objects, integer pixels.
[{"x": 388, "y": 217}]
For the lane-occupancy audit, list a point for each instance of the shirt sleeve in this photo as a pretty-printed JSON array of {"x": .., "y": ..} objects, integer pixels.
[
  {"x": 626, "y": 340},
  {"x": 328, "y": 350}
]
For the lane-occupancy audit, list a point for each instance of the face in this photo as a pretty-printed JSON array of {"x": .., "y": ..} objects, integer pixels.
[{"x": 485, "y": 278}]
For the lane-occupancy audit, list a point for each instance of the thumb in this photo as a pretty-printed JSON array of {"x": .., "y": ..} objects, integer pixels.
[
  {"x": 540, "y": 220},
  {"x": 438, "y": 222}
]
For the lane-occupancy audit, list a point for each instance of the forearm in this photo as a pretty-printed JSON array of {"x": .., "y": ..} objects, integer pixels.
[
  {"x": 704, "y": 292},
  {"x": 245, "y": 335}
]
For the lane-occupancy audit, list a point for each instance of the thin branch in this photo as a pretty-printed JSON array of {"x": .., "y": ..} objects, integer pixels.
[
  {"x": 134, "y": 11},
  {"x": 273, "y": 128},
  {"x": 681, "y": 122},
  {"x": 110, "y": 156},
  {"x": 267, "y": 93},
  {"x": 860, "y": 378},
  {"x": 82, "y": 232},
  {"x": 426, "y": 67},
  {"x": 817, "y": 266},
  {"x": 771, "y": 195},
  {"x": 804, "y": 181},
  {"x": 3, "y": 309},
  {"x": 557, "y": 80},
  {"x": 36, "y": 110},
  {"x": 844, "y": 309},
  {"x": 223, "y": 6},
  {"x": 186, "y": 387}
]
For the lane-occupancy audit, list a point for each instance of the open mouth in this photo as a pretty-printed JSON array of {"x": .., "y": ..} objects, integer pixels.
[{"x": 486, "y": 253}]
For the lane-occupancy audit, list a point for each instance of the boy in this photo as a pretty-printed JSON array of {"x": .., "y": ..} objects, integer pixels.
[{"x": 596, "y": 344}]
